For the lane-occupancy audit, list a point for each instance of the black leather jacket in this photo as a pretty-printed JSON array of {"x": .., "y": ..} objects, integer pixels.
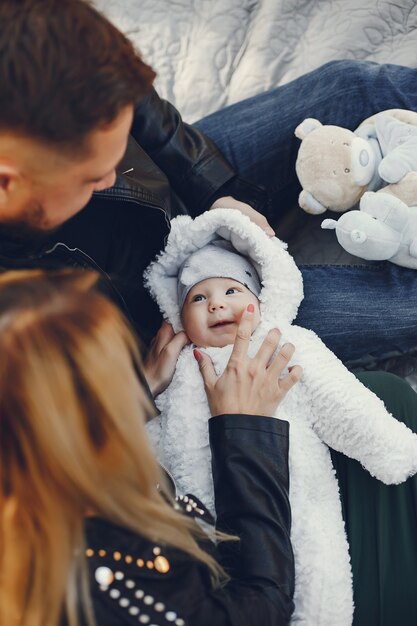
[
  {"x": 169, "y": 168},
  {"x": 156, "y": 585}
]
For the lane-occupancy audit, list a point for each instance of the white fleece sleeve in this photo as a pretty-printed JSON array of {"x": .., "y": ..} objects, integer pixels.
[{"x": 347, "y": 416}]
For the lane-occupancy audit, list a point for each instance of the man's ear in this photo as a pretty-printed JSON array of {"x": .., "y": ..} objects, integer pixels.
[{"x": 8, "y": 178}]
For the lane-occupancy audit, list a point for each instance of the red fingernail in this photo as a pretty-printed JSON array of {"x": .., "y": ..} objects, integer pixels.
[
  {"x": 197, "y": 355},
  {"x": 251, "y": 308}
]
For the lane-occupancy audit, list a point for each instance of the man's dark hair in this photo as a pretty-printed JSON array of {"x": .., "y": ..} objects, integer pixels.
[{"x": 65, "y": 70}]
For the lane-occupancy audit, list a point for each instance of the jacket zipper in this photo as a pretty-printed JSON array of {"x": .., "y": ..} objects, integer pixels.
[
  {"x": 83, "y": 254},
  {"x": 90, "y": 261}
]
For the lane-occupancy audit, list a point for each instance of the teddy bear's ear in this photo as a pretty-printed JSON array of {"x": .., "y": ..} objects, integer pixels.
[
  {"x": 329, "y": 224},
  {"x": 303, "y": 129},
  {"x": 309, "y": 203},
  {"x": 413, "y": 248}
]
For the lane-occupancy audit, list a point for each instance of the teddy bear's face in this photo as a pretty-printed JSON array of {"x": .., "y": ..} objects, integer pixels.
[{"x": 334, "y": 167}]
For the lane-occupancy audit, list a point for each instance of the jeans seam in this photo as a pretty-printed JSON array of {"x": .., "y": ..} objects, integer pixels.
[{"x": 374, "y": 267}]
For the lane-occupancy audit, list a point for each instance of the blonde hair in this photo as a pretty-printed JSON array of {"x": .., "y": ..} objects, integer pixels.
[{"x": 72, "y": 439}]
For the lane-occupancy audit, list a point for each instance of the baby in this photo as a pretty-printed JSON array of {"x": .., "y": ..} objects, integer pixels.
[
  {"x": 212, "y": 268},
  {"x": 215, "y": 286}
]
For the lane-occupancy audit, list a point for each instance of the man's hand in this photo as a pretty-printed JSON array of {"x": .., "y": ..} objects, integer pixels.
[
  {"x": 160, "y": 362},
  {"x": 253, "y": 386},
  {"x": 227, "y": 202}
]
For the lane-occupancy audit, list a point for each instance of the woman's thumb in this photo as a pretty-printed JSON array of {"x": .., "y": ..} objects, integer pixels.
[{"x": 206, "y": 367}]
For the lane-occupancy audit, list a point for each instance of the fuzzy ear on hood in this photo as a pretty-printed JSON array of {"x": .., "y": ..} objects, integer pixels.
[{"x": 282, "y": 288}]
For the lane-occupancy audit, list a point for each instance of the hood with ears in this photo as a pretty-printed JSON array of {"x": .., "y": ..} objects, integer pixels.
[{"x": 282, "y": 288}]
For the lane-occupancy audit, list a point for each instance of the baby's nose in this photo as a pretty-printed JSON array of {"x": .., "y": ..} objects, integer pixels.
[{"x": 216, "y": 304}]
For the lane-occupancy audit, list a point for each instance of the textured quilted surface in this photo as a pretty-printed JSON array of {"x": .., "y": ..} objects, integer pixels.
[{"x": 209, "y": 53}]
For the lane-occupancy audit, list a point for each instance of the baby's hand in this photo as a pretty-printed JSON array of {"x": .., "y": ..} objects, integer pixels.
[
  {"x": 160, "y": 362},
  {"x": 252, "y": 386}
]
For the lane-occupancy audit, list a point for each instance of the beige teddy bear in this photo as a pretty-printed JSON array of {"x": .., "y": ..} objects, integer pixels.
[{"x": 336, "y": 166}]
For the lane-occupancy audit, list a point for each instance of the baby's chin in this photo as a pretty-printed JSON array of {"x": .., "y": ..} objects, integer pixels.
[
  {"x": 220, "y": 341},
  {"x": 222, "y": 344}
]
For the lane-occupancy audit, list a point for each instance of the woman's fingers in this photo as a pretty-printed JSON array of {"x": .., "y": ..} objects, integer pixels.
[
  {"x": 290, "y": 379},
  {"x": 281, "y": 360},
  {"x": 206, "y": 368},
  {"x": 176, "y": 344},
  {"x": 249, "y": 385},
  {"x": 160, "y": 362},
  {"x": 268, "y": 348},
  {"x": 163, "y": 337},
  {"x": 243, "y": 335}
]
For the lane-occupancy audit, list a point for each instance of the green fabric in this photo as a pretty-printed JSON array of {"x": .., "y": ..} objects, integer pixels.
[{"x": 381, "y": 523}]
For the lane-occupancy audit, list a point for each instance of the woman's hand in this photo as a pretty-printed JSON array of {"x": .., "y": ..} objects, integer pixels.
[
  {"x": 228, "y": 202},
  {"x": 249, "y": 385},
  {"x": 160, "y": 362}
]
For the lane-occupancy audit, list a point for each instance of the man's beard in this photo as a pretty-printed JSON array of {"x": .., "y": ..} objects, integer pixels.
[{"x": 27, "y": 230}]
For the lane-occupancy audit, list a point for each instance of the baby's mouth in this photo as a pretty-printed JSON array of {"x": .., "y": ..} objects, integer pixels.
[{"x": 222, "y": 323}]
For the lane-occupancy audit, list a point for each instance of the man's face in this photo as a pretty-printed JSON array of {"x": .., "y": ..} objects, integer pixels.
[
  {"x": 212, "y": 311},
  {"x": 52, "y": 187}
]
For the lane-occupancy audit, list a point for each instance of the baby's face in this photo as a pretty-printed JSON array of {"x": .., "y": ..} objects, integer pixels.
[{"x": 212, "y": 311}]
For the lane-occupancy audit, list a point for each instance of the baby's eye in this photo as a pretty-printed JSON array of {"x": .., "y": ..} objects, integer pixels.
[
  {"x": 231, "y": 290},
  {"x": 198, "y": 298}
]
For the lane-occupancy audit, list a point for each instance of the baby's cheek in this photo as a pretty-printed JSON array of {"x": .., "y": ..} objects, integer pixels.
[
  {"x": 197, "y": 338},
  {"x": 195, "y": 332}
]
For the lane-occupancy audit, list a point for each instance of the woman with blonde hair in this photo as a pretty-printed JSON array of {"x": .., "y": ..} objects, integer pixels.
[{"x": 89, "y": 533}]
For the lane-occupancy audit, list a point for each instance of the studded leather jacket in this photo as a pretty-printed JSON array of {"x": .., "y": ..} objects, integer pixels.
[
  {"x": 135, "y": 582},
  {"x": 169, "y": 168}
]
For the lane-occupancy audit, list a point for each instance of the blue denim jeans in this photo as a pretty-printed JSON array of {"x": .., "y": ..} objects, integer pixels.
[{"x": 362, "y": 312}]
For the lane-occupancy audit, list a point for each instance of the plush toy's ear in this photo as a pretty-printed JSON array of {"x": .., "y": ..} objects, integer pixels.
[
  {"x": 328, "y": 224},
  {"x": 413, "y": 248},
  {"x": 308, "y": 202},
  {"x": 303, "y": 129}
]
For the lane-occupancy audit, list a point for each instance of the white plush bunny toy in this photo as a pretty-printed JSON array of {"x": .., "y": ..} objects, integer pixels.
[{"x": 328, "y": 407}]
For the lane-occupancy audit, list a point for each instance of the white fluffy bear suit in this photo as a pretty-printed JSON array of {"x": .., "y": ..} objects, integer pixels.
[{"x": 328, "y": 407}]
